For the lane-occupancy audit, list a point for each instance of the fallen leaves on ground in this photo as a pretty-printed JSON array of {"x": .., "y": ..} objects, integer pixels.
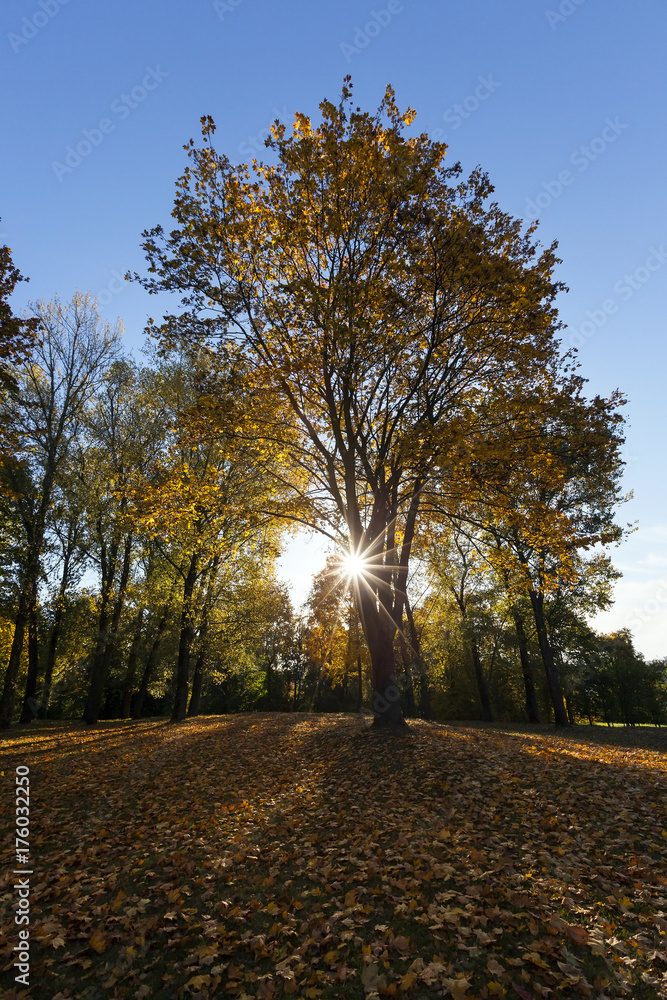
[{"x": 309, "y": 856}]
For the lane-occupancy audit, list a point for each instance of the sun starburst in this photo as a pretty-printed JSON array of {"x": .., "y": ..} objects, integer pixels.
[{"x": 354, "y": 566}]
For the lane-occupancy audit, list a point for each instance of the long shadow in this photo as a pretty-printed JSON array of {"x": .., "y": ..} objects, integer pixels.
[
  {"x": 628, "y": 737},
  {"x": 69, "y": 739}
]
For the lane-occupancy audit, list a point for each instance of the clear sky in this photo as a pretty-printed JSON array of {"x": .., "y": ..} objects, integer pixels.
[{"x": 563, "y": 102}]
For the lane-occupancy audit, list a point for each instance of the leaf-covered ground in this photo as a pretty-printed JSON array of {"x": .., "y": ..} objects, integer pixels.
[{"x": 308, "y": 856}]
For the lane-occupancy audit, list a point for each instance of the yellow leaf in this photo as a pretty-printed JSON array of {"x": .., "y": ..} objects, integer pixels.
[
  {"x": 117, "y": 901},
  {"x": 457, "y": 987},
  {"x": 98, "y": 941},
  {"x": 532, "y": 956},
  {"x": 197, "y": 982}
]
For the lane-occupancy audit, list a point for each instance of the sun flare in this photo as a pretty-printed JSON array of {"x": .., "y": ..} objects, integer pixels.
[{"x": 354, "y": 566}]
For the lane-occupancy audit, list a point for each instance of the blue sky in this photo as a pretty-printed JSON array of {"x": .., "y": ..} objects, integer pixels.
[{"x": 561, "y": 101}]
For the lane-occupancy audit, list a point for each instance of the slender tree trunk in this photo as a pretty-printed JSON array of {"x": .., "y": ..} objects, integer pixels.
[
  {"x": 187, "y": 633},
  {"x": 11, "y": 674},
  {"x": 92, "y": 707},
  {"x": 151, "y": 660},
  {"x": 128, "y": 683},
  {"x": 360, "y": 693},
  {"x": 69, "y": 548},
  {"x": 425, "y": 709},
  {"x": 34, "y": 529},
  {"x": 197, "y": 678},
  {"x": 482, "y": 686},
  {"x": 480, "y": 677},
  {"x": 106, "y": 639},
  {"x": 108, "y": 560},
  {"x": 406, "y": 659},
  {"x": 553, "y": 682},
  {"x": 29, "y": 710},
  {"x": 316, "y": 692},
  {"x": 532, "y": 710},
  {"x": 51, "y": 652}
]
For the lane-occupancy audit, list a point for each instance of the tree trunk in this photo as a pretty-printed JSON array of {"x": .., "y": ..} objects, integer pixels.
[
  {"x": 34, "y": 528},
  {"x": 109, "y": 623},
  {"x": 51, "y": 651},
  {"x": 11, "y": 674},
  {"x": 553, "y": 682},
  {"x": 379, "y": 634},
  {"x": 187, "y": 633},
  {"x": 318, "y": 684},
  {"x": 532, "y": 710},
  {"x": 380, "y": 638},
  {"x": 425, "y": 709},
  {"x": 482, "y": 686},
  {"x": 360, "y": 693},
  {"x": 69, "y": 548},
  {"x": 128, "y": 683},
  {"x": 146, "y": 677},
  {"x": 108, "y": 560},
  {"x": 138, "y": 706},
  {"x": 197, "y": 678},
  {"x": 92, "y": 707},
  {"x": 480, "y": 678},
  {"x": 380, "y": 607},
  {"x": 29, "y": 710}
]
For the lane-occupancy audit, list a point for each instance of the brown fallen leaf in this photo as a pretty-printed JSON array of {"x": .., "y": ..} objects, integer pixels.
[
  {"x": 457, "y": 988},
  {"x": 577, "y": 933},
  {"x": 556, "y": 924},
  {"x": 98, "y": 941}
]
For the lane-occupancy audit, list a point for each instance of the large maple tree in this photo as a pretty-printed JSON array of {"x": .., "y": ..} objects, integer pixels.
[{"x": 387, "y": 303}]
